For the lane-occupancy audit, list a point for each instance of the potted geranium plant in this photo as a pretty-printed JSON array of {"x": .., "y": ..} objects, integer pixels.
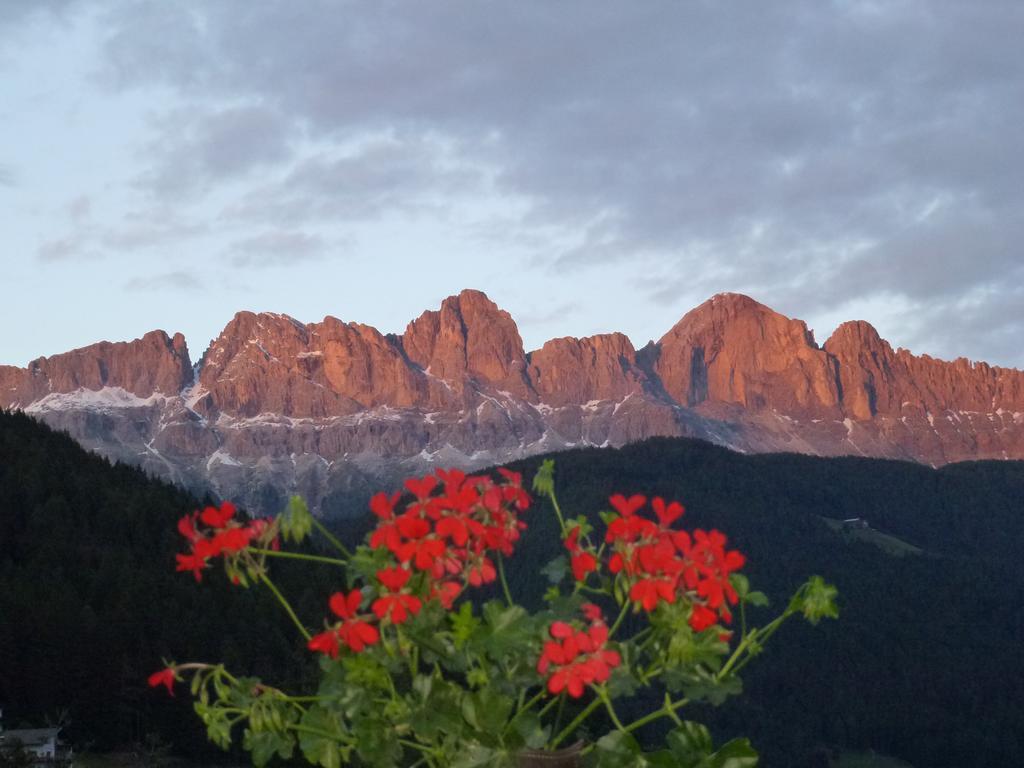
[{"x": 414, "y": 673}]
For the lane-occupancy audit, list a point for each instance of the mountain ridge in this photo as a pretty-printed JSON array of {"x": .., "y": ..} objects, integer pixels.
[{"x": 276, "y": 406}]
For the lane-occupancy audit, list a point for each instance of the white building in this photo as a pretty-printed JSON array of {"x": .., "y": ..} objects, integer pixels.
[{"x": 42, "y": 745}]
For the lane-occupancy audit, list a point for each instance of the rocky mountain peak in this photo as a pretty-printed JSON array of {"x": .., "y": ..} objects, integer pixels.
[
  {"x": 469, "y": 337},
  {"x": 734, "y": 350},
  {"x": 856, "y": 334},
  {"x": 282, "y": 406},
  {"x": 153, "y": 364},
  {"x": 571, "y": 370}
]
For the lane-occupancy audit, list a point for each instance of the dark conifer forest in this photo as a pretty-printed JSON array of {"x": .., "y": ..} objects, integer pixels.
[{"x": 924, "y": 663}]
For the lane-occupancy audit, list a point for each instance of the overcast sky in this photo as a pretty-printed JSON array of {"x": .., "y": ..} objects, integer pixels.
[{"x": 592, "y": 166}]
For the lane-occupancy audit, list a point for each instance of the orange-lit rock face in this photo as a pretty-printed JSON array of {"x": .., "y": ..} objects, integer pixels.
[
  {"x": 154, "y": 364},
  {"x": 876, "y": 380},
  {"x": 271, "y": 363},
  {"x": 281, "y": 406},
  {"x": 569, "y": 370},
  {"x": 469, "y": 338},
  {"x": 731, "y": 349}
]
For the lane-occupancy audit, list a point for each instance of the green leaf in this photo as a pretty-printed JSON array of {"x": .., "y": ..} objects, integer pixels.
[
  {"x": 706, "y": 688},
  {"x": 464, "y": 624},
  {"x": 758, "y": 599},
  {"x": 622, "y": 683},
  {"x": 438, "y": 713},
  {"x": 508, "y": 630},
  {"x": 296, "y": 521},
  {"x": 740, "y": 583},
  {"x": 377, "y": 743},
  {"x": 619, "y": 750},
  {"x": 689, "y": 742},
  {"x": 531, "y": 730},
  {"x": 556, "y": 569},
  {"x": 319, "y": 747},
  {"x": 487, "y": 712},
  {"x": 474, "y": 756},
  {"x": 734, "y": 754},
  {"x": 662, "y": 759},
  {"x": 265, "y": 744}
]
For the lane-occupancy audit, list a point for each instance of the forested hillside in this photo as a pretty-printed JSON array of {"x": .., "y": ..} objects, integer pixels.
[
  {"x": 923, "y": 663},
  {"x": 90, "y": 602}
]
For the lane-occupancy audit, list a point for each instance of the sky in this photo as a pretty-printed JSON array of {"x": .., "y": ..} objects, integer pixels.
[{"x": 592, "y": 166}]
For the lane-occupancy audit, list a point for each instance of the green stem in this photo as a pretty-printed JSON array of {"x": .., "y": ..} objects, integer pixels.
[
  {"x": 666, "y": 710},
  {"x": 671, "y": 712},
  {"x": 558, "y": 511},
  {"x": 652, "y": 672},
  {"x": 338, "y": 737},
  {"x": 611, "y": 709},
  {"x": 286, "y": 605},
  {"x": 547, "y": 707},
  {"x": 504, "y": 581},
  {"x": 620, "y": 619},
  {"x": 558, "y": 715},
  {"x": 414, "y": 745},
  {"x": 299, "y": 556},
  {"x": 523, "y": 709},
  {"x": 332, "y": 538},
  {"x": 580, "y": 718},
  {"x": 760, "y": 636}
]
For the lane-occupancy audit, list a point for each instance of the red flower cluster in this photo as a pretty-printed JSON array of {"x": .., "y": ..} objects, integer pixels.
[
  {"x": 443, "y": 535},
  {"x": 446, "y": 532},
  {"x": 225, "y": 536},
  {"x": 662, "y": 563},
  {"x": 577, "y": 658},
  {"x": 352, "y": 630}
]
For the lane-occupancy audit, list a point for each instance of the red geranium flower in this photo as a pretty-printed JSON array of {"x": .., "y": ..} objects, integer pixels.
[
  {"x": 396, "y": 606},
  {"x": 325, "y": 642},
  {"x": 627, "y": 507},
  {"x": 666, "y": 513},
  {"x": 582, "y": 562},
  {"x": 164, "y": 677},
  {"x": 701, "y": 618},
  {"x": 577, "y": 658},
  {"x": 218, "y": 517}
]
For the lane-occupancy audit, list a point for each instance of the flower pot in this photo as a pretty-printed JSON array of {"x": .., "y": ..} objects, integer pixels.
[{"x": 569, "y": 757}]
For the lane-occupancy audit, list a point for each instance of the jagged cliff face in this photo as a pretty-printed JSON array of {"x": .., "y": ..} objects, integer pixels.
[{"x": 276, "y": 406}]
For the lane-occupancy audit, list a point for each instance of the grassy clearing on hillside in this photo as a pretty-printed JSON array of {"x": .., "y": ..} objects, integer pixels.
[{"x": 887, "y": 543}]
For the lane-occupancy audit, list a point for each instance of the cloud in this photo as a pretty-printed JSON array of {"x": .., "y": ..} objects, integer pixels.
[
  {"x": 174, "y": 281},
  {"x": 80, "y": 208},
  {"x": 811, "y": 154},
  {"x": 140, "y": 229},
  {"x": 193, "y": 151},
  {"x": 276, "y": 248},
  {"x": 545, "y": 315},
  {"x": 380, "y": 174},
  {"x": 57, "y": 250}
]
